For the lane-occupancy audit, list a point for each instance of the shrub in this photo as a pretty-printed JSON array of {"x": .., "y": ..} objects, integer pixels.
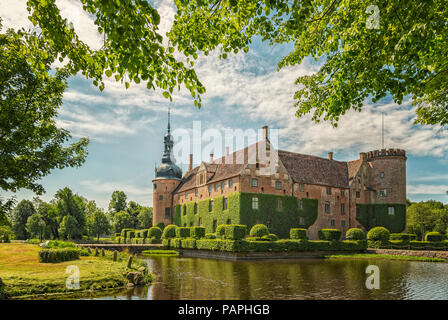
[
  {"x": 259, "y": 230},
  {"x": 57, "y": 244},
  {"x": 270, "y": 237},
  {"x": 378, "y": 234},
  {"x": 182, "y": 232},
  {"x": 330, "y": 234},
  {"x": 169, "y": 231},
  {"x": 298, "y": 233},
  {"x": 403, "y": 236},
  {"x": 210, "y": 236},
  {"x": 166, "y": 241},
  {"x": 160, "y": 225},
  {"x": 30, "y": 241},
  {"x": 197, "y": 232},
  {"x": 144, "y": 233},
  {"x": 221, "y": 231},
  {"x": 58, "y": 255},
  {"x": 154, "y": 232},
  {"x": 235, "y": 232},
  {"x": 433, "y": 236},
  {"x": 6, "y": 234},
  {"x": 124, "y": 232},
  {"x": 355, "y": 234},
  {"x": 188, "y": 243},
  {"x": 153, "y": 240}
]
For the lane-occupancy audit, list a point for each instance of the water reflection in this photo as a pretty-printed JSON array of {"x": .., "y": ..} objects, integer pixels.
[{"x": 197, "y": 278}]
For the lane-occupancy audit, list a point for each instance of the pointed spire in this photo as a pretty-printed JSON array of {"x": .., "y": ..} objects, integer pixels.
[{"x": 169, "y": 129}]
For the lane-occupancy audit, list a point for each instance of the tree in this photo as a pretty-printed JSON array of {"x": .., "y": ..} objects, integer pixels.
[
  {"x": 68, "y": 228},
  {"x": 98, "y": 224},
  {"x": 122, "y": 220},
  {"x": 366, "y": 49},
  {"x": 31, "y": 143},
  {"x": 36, "y": 226},
  {"x": 6, "y": 234},
  {"x": 132, "y": 50},
  {"x": 145, "y": 218},
  {"x": 49, "y": 213},
  {"x": 423, "y": 217},
  {"x": 69, "y": 204},
  {"x": 118, "y": 202},
  {"x": 19, "y": 218}
]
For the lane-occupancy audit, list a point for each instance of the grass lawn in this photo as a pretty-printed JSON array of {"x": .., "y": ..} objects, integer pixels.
[
  {"x": 24, "y": 275},
  {"x": 160, "y": 253},
  {"x": 384, "y": 257}
]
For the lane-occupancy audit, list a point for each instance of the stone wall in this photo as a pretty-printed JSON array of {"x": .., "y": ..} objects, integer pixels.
[{"x": 415, "y": 253}]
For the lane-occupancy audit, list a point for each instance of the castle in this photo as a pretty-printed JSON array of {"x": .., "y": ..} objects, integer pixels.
[{"x": 244, "y": 187}]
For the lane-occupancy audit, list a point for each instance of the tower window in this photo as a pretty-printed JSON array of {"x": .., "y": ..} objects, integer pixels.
[
  {"x": 382, "y": 174},
  {"x": 155, "y": 186},
  {"x": 358, "y": 194},
  {"x": 328, "y": 190},
  {"x": 167, "y": 213},
  {"x": 342, "y": 193},
  {"x": 254, "y": 182},
  {"x": 160, "y": 197},
  {"x": 278, "y": 185},
  {"x": 327, "y": 207},
  {"x": 342, "y": 208},
  {"x": 391, "y": 211},
  {"x": 383, "y": 193},
  {"x": 255, "y": 203},
  {"x": 333, "y": 223}
]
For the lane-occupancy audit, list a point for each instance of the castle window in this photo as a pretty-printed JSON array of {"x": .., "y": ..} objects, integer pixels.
[
  {"x": 255, "y": 203},
  {"x": 254, "y": 182},
  {"x": 186, "y": 195},
  {"x": 278, "y": 185},
  {"x": 196, "y": 192},
  {"x": 184, "y": 209},
  {"x": 200, "y": 222},
  {"x": 343, "y": 223},
  {"x": 342, "y": 208},
  {"x": 191, "y": 224},
  {"x": 327, "y": 207},
  {"x": 195, "y": 208},
  {"x": 224, "y": 204},
  {"x": 342, "y": 193},
  {"x": 358, "y": 194},
  {"x": 216, "y": 187},
  {"x": 155, "y": 186},
  {"x": 301, "y": 187},
  {"x": 160, "y": 197},
  {"x": 209, "y": 189},
  {"x": 300, "y": 204},
  {"x": 223, "y": 184},
  {"x": 328, "y": 190},
  {"x": 279, "y": 204},
  {"x": 210, "y": 206},
  {"x": 230, "y": 183},
  {"x": 167, "y": 213},
  {"x": 215, "y": 223},
  {"x": 391, "y": 211},
  {"x": 382, "y": 174},
  {"x": 333, "y": 223},
  {"x": 229, "y": 221},
  {"x": 383, "y": 193},
  {"x": 301, "y": 221}
]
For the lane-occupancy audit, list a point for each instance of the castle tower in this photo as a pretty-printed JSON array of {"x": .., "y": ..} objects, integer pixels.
[
  {"x": 387, "y": 175},
  {"x": 167, "y": 177}
]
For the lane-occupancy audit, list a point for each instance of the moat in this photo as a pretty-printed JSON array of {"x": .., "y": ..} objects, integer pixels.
[{"x": 197, "y": 278}]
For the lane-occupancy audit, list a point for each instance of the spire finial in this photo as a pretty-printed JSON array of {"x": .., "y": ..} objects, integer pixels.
[{"x": 169, "y": 129}]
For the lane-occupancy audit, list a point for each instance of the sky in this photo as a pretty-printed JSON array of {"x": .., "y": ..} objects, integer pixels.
[{"x": 245, "y": 91}]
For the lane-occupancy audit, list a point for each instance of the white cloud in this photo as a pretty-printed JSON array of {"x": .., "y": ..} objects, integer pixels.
[{"x": 426, "y": 189}]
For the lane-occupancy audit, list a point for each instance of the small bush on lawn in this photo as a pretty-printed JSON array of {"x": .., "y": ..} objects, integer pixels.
[
  {"x": 197, "y": 232},
  {"x": 330, "y": 234},
  {"x": 58, "y": 255},
  {"x": 378, "y": 234},
  {"x": 154, "y": 232},
  {"x": 433, "y": 236},
  {"x": 259, "y": 230},
  {"x": 355, "y": 234},
  {"x": 169, "y": 231},
  {"x": 403, "y": 236},
  {"x": 298, "y": 233},
  {"x": 235, "y": 232},
  {"x": 182, "y": 232}
]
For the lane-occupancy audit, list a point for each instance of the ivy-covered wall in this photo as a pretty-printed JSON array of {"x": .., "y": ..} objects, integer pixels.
[
  {"x": 377, "y": 215},
  {"x": 239, "y": 211}
]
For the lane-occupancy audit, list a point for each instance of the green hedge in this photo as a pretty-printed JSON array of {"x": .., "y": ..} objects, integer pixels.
[
  {"x": 270, "y": 237},
  {"x": 235, "y": 232},
  {"x": 330, "y": 234},
  {"x": 259, "y": 230},
  {"x": 433, "y": 236},
  {"x": 355, "y": 234},
  {"x": 409, "y": 245},
  {"x": 403, "y": 236},
  {"x": 154, "y": 232},
  {"x": 197, "y": 232},
  {"x": 182, "y": 232},
  {"x": 58, "y": 244},
  {"x": 378, "y": 234},
  {"x": 298, "y": 233},
  {"x": 221, "y": 231},
  {"x": 169, "y": 231},
  {"x": 58, "y": 255},
  {"x": 377, "y": 215}
]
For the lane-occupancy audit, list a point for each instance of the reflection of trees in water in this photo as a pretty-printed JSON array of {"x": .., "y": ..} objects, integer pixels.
[{"x": 196, "y": 278}]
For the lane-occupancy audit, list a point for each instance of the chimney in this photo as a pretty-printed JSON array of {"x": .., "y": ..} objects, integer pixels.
[
  {"x": 211, "y": 157},
  {"x": 190, "y": 167},
  {"x": 362, "y": 156},
  {"x": 330, "y": 155},
  {"x": 265, "y": 133}
]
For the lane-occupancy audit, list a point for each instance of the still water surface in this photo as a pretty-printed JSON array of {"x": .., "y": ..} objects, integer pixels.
[{"x": 198, "y": 278}]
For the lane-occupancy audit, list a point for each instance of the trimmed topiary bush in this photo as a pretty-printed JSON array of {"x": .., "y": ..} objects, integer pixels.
[
  {"x": 160, "y": 225},
  {"x": 355, "y": 234},
  {"x": 182, "y": 232},
  {"x": 330, "y": 234},
  {"x": 221, "y": 231},
  {"x": 433, "y": 236},
  {"x": 259, "y": 230},
  {"x": 58, "y": 255},
  {"x": 298, "y": 233},
  {"x": 270, "y": 237},
  {"x": 210, "y": 236},
  {"x": 403, "y": 236},
  {"x": 169, "y": 231},
  {"x": 197, "y": 232},
  {"x": 235, "y": 232},
  {"x": 378, "y": 234},
  {"x": 154, "y": 232}
]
